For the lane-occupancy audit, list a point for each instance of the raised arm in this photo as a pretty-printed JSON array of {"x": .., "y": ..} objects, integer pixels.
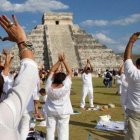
[
  {"x": 26, "y": 80},
  {"x": 128, "y": 49},
  {"x": 8, "y": 59},
  {"x": 89, "y": 64},
  {"x": 56, "y": 66},
  {"x": 16, "y": 34},
  {"x": 61, "y": 67},
  {"x": 85, "y": 68},
  {"x": 67, "y": 67}
]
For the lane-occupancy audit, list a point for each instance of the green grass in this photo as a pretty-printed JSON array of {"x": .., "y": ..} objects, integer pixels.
[{"x": 83, "y": 124}]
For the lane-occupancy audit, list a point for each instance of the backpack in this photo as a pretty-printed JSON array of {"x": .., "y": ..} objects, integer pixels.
[
  {"x": 36, "y": 135},
  {"x": 108, "y": 75}
]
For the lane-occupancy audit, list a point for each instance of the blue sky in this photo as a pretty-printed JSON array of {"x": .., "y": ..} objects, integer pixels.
[{"x": 111, "y": 21}]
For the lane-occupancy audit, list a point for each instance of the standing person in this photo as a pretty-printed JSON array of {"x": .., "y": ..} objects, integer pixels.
[
  {"x": 132, "y": 73},
  {"x": 107, "y": 78},
  {"x": 87, "y": 85},
  {"x": 58, "y": 104},
  {"x": 12, "y": 108},
  {"x": 118, "y": 83},
  {"x": 8, "y": 84},
  {"x": 124, "y": 86}
]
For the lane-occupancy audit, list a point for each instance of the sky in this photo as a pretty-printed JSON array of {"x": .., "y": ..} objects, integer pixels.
[{"x": 112, "y": 22}]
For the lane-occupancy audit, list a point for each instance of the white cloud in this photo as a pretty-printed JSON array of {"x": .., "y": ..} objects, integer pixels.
[
  {"x": 122, "y": 22},
  {"x": 32, "y": 6},
  {"x": 119, "y": 48},
  {"x": 95, "y": 23},
  {"x": 128, "y": 20},
  {"x": 104, "y": 38}
]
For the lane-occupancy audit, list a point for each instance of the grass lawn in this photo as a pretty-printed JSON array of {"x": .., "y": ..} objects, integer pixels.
[{"x": 83, "y": 124}]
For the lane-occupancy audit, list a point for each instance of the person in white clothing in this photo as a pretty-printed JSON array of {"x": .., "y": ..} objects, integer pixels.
[
  {"x": 132, "y": 73},
  {"x": 87, "y": 85},
  {"x": 118, "y": 83},
  {"x": 124, "y": 86},
  {"x": 58, "y": 104},
  {"x": 12, "y": 108},
  {"x": 9, "y": 78}
]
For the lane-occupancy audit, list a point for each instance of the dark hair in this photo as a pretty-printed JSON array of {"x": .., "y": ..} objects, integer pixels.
[
  {"x": 1, "y": 84},
  {"x": 138, "y": 62},
  {"x": 42, "y": 90},
  {"x": 88, "y": 68},
  {"x": 59, "y": 78}
]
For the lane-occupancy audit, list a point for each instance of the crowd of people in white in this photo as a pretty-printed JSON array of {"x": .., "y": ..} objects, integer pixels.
[{"x": 20, "y": 91}]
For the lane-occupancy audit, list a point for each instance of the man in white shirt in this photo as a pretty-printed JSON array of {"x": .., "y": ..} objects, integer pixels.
[
  {"x": 132, "y": 73},
  {"x": 87, "y": 85}
]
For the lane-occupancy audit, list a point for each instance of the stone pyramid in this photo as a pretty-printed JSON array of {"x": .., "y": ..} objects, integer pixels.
[{"x": 57, "y": 34}]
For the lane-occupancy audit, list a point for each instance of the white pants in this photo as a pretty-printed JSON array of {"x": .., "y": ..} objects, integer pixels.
[
  {"x": 62, "y": 125},
  {"x": 24, "y": 125},
  {"x": 87, "y": 91}
]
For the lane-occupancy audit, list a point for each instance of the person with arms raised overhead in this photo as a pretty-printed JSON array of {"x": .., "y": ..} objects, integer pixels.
[
  {"x": 12, "y": 108},
  {"x": 132, "y": 73},
  {"x": 58, "y": 104},
  {"x": 87, "y": 85}
]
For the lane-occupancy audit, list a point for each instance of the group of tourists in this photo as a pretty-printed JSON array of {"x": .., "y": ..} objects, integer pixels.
[{"x": 19, "y": 90}]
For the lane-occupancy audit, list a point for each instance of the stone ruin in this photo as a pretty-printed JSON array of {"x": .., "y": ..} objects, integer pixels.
[{"x": 57, "y": 34}]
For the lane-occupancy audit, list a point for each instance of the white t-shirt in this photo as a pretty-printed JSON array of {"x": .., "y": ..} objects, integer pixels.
[
  {"x": 87, "y": 79},
  {"x": 133, "y": 90},
  {"x": 124, "y": 87},
  {"x": 58, "y": 100}
]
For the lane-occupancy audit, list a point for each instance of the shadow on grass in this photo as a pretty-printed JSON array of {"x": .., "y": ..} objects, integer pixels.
[
  {"x": 100, "y": 133},
  {"x": 82, "y": 124},
  {"x": 97, "y": 103},
  {"x": 112, "y": 93},
  {"x": 72, "y": 92},
  {"x": 76, "y": 106},
  {"x": 111, "y": 135}
]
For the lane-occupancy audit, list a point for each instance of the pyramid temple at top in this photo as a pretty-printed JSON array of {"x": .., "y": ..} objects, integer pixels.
[{"x": 57, "y": 34}]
